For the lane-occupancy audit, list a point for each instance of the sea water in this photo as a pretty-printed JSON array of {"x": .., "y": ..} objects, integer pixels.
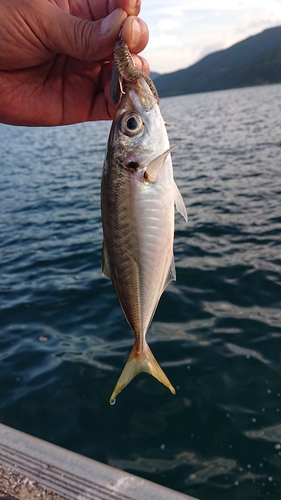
[{"x": 216, "y": 331}]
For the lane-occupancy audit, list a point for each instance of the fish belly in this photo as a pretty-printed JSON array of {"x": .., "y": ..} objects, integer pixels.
[{"x": 139, "y": 242}]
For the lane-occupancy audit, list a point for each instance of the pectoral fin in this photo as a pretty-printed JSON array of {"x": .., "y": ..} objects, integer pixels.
[{"x": 155, "y": 167}]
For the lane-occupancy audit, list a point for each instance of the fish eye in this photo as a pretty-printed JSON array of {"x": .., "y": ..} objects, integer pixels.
[{"x": 131, "y": 124}]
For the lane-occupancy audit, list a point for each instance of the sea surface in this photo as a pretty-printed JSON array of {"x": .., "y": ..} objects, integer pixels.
[{"x": 216, "y": 332}]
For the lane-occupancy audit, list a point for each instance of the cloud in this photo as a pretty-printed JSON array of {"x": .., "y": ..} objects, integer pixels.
[
  {"x": 183, "y": 32},
  {"x": 165, "y": 6}
]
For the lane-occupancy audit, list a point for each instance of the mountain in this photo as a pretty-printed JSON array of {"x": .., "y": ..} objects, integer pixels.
[
  {"x": 254, "y": 61},
  {"x": 153, "y": 75}
]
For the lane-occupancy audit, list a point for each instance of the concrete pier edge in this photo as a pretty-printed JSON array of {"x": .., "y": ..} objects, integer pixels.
[{"x": 73, "y": 476}]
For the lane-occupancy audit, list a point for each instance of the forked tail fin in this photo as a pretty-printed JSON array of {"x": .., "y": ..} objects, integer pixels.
[{"x": 137, "y": 363}]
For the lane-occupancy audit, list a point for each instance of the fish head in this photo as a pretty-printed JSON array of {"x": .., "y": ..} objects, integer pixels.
[{"x": 138, "y": 133}]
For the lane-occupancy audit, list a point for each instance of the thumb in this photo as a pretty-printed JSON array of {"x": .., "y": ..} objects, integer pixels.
[{"x": 85, "y": 40}]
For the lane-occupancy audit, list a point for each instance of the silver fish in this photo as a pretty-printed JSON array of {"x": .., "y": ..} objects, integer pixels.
[{"x": 138, "y": 198}]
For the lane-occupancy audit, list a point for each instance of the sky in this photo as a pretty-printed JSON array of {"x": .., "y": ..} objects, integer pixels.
[{"x": 184, "y": 31}]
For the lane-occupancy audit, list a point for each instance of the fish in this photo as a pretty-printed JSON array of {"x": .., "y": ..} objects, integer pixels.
[{"x": 138, "y": 196}]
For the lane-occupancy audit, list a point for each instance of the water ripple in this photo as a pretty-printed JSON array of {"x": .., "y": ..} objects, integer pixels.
[{"x": 64, "y": 340}]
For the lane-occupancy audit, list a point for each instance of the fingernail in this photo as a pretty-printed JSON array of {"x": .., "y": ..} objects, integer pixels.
[
  {"x": 136, "y": 31},
  {"x": 118, "y": 15}
]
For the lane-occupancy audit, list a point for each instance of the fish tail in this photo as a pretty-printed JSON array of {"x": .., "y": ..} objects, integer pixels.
[{"x": 140, "y": 362}]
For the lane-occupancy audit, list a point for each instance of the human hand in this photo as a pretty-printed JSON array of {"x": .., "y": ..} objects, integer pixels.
[{"x": 54, "y": 58}]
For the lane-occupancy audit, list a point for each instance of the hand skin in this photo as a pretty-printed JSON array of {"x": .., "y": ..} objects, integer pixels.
[{"x": 55, "y": 58}]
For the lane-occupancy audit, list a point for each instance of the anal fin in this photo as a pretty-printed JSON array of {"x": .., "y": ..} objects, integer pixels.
[
  {"x": 105, "y": 262},
  {"x": 179, "y": 203},
  {"x": 171, "y": 276}
]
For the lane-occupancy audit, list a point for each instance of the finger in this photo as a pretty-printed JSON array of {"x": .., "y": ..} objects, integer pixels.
[
  {"x": 135, "y": 33},
  {"x": 100, "y": 109},
  {"x": 132, "y": 7},
  {"x": 85, "y": 40},
  {"x": 101, "y": 8},
  {"x": 141, "y": 63}
]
